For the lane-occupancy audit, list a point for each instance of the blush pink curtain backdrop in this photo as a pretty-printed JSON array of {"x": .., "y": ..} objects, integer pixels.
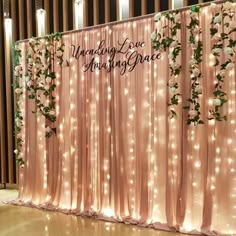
[{"x": 117, "y": 156}]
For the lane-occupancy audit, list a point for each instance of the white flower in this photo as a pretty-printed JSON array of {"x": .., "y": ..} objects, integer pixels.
[
  {"x": 46, "y": 87},
  {"x": 216, "y": 38},
  {"x": 32, "y": 41},
  {"x": 213, "y": 6},
  {"x": 227, "y": 5},
  {"x": 157, "y": 17},
  {"x": 199, "y": 89},
  {"x": 196, "y": 72},
  {"x": 48, "y": 129},
  {"x": 18, "y": 90},
  {"x": 17, "y": 68},
  {"x": 171, "y": 55},
  {"x": 30, "y": 60},
  {"x": 192, "y": 62},
  {"x": 172, "y": 90},
  {"x": 216, "y": 101},
  {"x": 216, "y": 50},
  {"x": 175, "y": 65},
  {"x": 48, "y": 80},
  {"x": 222, "y": 73},
  {"x": 59, "y": 53},
  {"x": 153, "y": 35},
  {"x": 29, "y": 83},
  {"x": 16, "y": 151},
  {"x": 42, "y": 77},
  {"x": 217, "y": 19},
  {"x": 228, "y": 50},
  {"x": 174, "y": 44},
  {"x": 196, "y": 31},
  {"x": 177, "y": 18},
  {"x": 52, "y": 113},
  {"x": 230, "y": 66},
  {"x": 19, "y": 135},
  {"x": 16, "y": 73},
  {"x": 193, "y": 113},
  {"x": 171, "y": 83},
  {"x": 194, "y": 15}
]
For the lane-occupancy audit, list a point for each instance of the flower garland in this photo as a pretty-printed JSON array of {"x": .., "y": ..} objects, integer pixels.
[
  {"x": 194, "y": 68},
  {"x": 222, "y": 42},
  {"x": 41, "y": 75},
  {"x": 18, "y": 75},
  {"x": 164, "y": 40}
]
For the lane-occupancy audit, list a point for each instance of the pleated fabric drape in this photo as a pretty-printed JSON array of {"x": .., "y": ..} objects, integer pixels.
[{"x": 117, "y": 155}]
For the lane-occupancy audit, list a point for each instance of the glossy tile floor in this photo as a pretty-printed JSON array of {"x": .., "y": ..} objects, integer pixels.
[{"x": 24, "y": 221}]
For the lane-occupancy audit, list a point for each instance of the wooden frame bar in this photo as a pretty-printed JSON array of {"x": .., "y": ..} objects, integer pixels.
[
  {"x": 107, "y": 11},
  {"x": 157, "y": 5},
  {"x": 29, "y": 19},
  {"x": 95, "y": 12},
  {"x": 55, "y": 16},
  {"x": 47, "y": 9},
  {"x": 21, "y": 19},
  {"x": 143, "y": 7},
  {"x": 65, "y": 15}
]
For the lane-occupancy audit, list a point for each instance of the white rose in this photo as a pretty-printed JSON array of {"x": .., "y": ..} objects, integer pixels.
[
  {"x": 46, "y": 87},
  {"x": 194, "y": 15},
  {"x": 193, "y": 113},
  {"x": 32, "y": 41},
  {"x": 192, "y": 62},
  {"x": 177, "y": 18},
  {"x": 42, "y": 77},
  {"x": 153, "y": 35},
  {"x": 196, "y": 72},
  {"x": 157, "y": 17},
  {"x": 228, "y": 50},
  {"x": 222, "y": 73},
  {"x": 17, "y": 68},
  {"x": 48, "y": 80},
  {"x": 217, "y": 19},
  {"x": 52, "y": 113},
  {"x": 175, "y": 66},
  {"x": 199, "y": 89},
  {"x": 18, "y": 90},
  {"x": 174, "y": 44},
  {"x": 216, "y": 101},
  {"x": 196, "y": 31},
  {"x": 16, "y": 151},
  {"x": 216, "y": 38},
  {"x": 227, "y": 5},
  {"x": 230, "y": 66},
  {"x": 30, "y": 60},
  {"x": 59, "y": 53},
  {"x": 216, "y": 50},
  {"x": 213, "y": 6},
  {"x": 48, "y": 129},
  {"x": 19, "y": 135},
  {"x": 171, "y": 55},
  {"x": 29, "y": 83},
  {"x": 171, "y": 83},
  {"x": 16, "y": 73},
  {"x": 172, "y": 90}
]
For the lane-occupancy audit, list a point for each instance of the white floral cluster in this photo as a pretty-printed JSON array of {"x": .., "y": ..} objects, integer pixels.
[
  {"x": 40, "y": 77},
  {"x": 18, "y": 88},
  {"x": 194, "y": 114},
  {"x": 223, "y": 43},
  {"x": 167, "y": 39}
]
